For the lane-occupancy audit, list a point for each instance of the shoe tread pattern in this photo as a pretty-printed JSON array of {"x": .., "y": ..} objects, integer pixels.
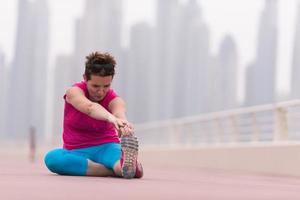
[{"x": 130, "y": 147}]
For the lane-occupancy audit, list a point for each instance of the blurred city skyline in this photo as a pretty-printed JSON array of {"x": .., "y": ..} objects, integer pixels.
[
  {"x": 172, "y": 67},
  {"x": 219, "y": 15}
]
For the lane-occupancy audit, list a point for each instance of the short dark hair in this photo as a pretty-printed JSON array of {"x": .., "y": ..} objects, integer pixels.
[{"x": 100, "y": 64}]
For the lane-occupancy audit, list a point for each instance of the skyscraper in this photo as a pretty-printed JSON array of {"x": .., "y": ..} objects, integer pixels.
[
  {"x": 228, "y": 66},
  {"x": 260, "y": 86},
  {"x": 99, "y": 29},
  {"x": 167, "y": 26},
  {"x": 62, "y": 80},
  {"x": 296, "y": 59},
  {"x": 142, "y": 84},
  {"x": 182, "y": 54},
  {"x": 3, "y": 98},
  {"x": 28, "y": 71},
  {"x": 192, "y": 72}
]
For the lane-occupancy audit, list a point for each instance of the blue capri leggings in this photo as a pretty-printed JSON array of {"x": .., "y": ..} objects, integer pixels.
[{"x": 75, "y": 162}]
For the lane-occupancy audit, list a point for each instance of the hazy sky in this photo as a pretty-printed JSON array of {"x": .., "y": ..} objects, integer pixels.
[{"x": 236, "y": 17}]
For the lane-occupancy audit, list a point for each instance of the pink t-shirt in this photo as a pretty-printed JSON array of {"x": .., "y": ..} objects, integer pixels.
[{"x": 80, "y": 130}]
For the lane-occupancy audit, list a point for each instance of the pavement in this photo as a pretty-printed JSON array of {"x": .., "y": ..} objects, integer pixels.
[{"x": 21, "y": 179}]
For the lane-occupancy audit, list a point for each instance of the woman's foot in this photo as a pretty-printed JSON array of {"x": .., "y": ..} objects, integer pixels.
[
  {"x": 139, "y": 172},
  {"x": 129, "y": 145}
]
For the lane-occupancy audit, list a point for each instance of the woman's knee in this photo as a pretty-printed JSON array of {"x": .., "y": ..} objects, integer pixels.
[{"x": 54, "y": 160}]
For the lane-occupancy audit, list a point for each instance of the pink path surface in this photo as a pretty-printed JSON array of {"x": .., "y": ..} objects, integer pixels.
[{"x": 20, "y": 179}]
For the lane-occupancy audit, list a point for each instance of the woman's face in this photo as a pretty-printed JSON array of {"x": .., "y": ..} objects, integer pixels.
[{"x": 98, "y": 86}]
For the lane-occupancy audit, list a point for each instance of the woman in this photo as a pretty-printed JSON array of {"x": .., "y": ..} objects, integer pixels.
[{"x": 94, "y": 119}]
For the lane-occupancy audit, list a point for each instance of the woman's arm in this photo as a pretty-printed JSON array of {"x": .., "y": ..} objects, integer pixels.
[
  {"x": 75, "y": 96},
  {"x": 118, "y": 108}
]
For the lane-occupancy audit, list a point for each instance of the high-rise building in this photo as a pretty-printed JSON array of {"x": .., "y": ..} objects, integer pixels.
[
  {"x": 296, "y": 60},
  {"x": 227, "y": 70},
  {"x": 62, "y": 80},
  {"x": 212, "y": 89},
  {"x": 192, "y": 70},
  {"x": 142, "y": 82},
  {"x": 167, "y": 26},
  {"x": 183, "y": 57},
  {"x": 3, "y": 98},
  {"x": 27, "y": 80},
  {"x": 260, "y": 86},
  {"x": 99, "y": 29}
]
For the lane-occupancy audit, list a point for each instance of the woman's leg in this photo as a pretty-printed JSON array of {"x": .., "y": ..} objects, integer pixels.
[
  {"x": 118, "y": 169},
  {"x": 65, "y": 162},
  {"x": 109, "y": 156},
  {"x": 96, "y": 169}
]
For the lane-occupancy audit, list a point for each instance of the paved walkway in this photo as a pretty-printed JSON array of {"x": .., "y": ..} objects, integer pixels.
[{"x": 21, "y": 180}]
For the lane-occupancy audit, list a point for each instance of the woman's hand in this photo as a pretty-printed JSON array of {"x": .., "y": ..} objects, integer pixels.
[
  {"x": 123, "y": 126},
  {"x": 126, "y": 129}
]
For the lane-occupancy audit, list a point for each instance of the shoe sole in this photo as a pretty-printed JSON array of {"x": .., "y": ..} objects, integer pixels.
[{"x": 130, "y": 146}]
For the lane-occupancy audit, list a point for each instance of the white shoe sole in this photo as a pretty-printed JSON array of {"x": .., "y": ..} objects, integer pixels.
[{"x": 130, "y": 146}]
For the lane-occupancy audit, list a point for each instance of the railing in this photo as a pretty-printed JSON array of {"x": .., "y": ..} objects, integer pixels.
[{"x": 272, "y": 123}]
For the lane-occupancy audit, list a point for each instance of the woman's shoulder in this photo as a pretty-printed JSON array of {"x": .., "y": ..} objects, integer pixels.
[
  {"x": 80, "y": 84},
  {"x": 111, "y": 92}
]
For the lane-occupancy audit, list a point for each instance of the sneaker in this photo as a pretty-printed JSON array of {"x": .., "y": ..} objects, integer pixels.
[
  {"x": 129, "y": 145},
  {"x": 139, "y": 172}
]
